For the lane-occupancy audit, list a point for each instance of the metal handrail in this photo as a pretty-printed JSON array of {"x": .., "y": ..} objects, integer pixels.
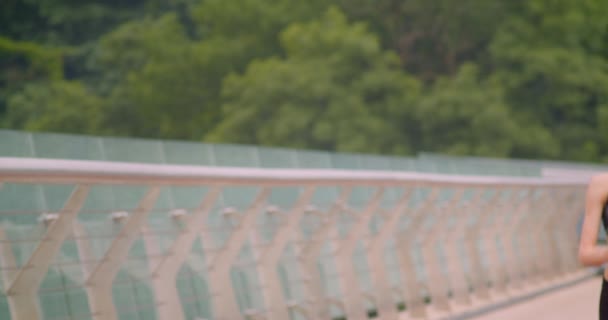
[{"x": 54, "y": 171}]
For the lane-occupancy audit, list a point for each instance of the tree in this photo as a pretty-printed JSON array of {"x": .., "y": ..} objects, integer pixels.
[
  {"x": 434, "y": 37},
  {"x": 467, "y": 115},
  {"x": 163, "y": 81},
  {"x": 67, "y": 22},
  {"x": 51, "y": 40},
  {"x": 25, "y": 62},
  {"x": 59, "y": 106},
  {"x": 336, "y": 89},
  {"x": 553, "y": 63}
]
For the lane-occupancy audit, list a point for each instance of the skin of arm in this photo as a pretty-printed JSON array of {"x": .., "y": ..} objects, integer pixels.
[{"x": 589, "y": 252}]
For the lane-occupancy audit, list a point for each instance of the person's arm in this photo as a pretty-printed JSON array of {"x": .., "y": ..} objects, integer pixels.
[{"x": 589, "y": 252}]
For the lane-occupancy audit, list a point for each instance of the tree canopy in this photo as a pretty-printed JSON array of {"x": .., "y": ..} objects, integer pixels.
[{"x": 525, "y": 79}]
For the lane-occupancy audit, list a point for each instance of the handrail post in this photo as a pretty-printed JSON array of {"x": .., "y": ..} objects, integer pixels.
[
  {"x": 436, "y": 281},
  {"x": 385, "y": 304},
  {"x": 23, "y": 290},
  {"x": 309, "y": 256},
  {"x": 277, "y": 308},
  {"x": 493, "y": 228},
  {"x": 351, "y": 291},
  {"x": 405, "y": 244},
  {"x": 100, "y": 281},
  {"x": 454, "y": 239},
  {"x": 224, "y": 301},
  {"x": 479, "y": 276},
  {"x": 164, "y": 275}
]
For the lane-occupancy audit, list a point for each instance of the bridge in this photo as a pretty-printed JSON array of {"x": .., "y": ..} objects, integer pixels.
[
  {"x": 579, "y": 301},
  {"x": 107, "y": 233}
]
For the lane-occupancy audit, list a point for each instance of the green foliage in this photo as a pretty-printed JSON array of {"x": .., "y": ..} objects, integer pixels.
[
  {"x": 336, "y": 89},
  {"x": 64, "y": 21},
  {"x": 59, "y": 106},
  {"x": 433, "y": 37},
  {"x": 162, "y": 82},
  {"x": 24, "y": 62},
  {"x": 463, "y": 115},
  {"x": 553, "y": 64},
  {"x": 466, "y": 115},
  {"x": 472, "y": 77}
]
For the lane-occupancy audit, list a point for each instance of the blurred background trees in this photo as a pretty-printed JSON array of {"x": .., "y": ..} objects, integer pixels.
[{"x": 525, "y": 79}]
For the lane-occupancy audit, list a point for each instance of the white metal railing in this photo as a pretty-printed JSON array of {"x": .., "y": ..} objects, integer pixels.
[{"x": 458, "y": 241}]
